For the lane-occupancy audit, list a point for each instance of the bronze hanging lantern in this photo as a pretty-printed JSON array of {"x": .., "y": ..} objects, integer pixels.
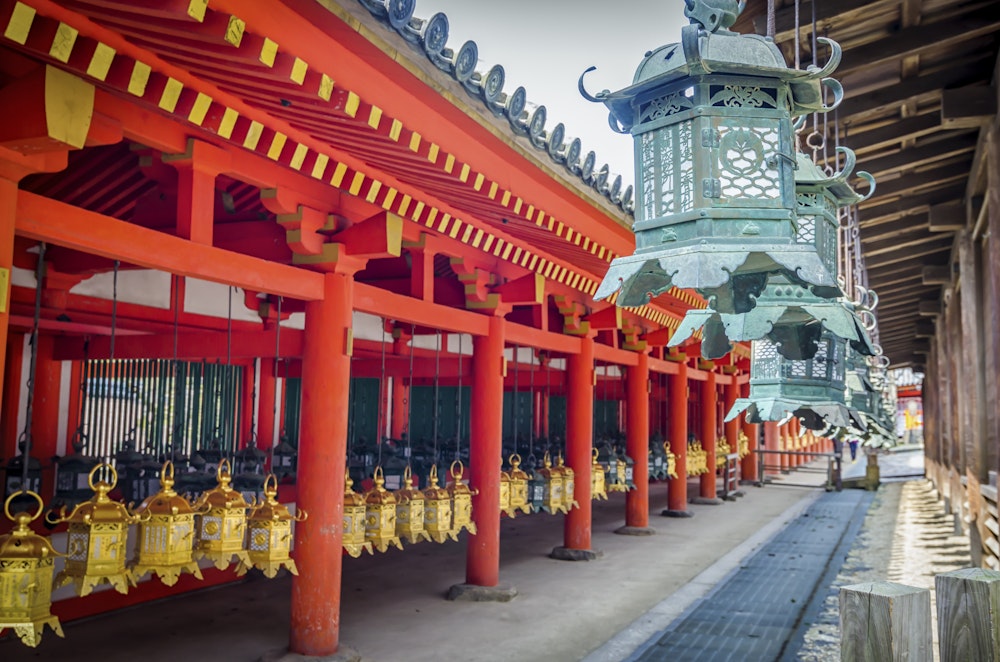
[
  {"x": 598, "y": 490},
  {"x": 504, "y": 491},
  {"x": 813, "y": 390},
  {"x": 380, "y": 515},
  {"x": 166, "y": 534},
  {"x": 437, "y": 510},
  {"x": 791, "y": 313},
  {"x": 96, "y": 536},
  {"x": 552, "y": 495},
  {"x": 26, "y": 567},
  {"x": 671, "y": 460},
  {"x": 410, "y": 511},
  {"x": 711, "y": 121},
  {"x": 353, "y": 538},
  {"x": 519, "y": 498},
  {"x": 461, "y": 497},
  {"x": 269, "y": 534},
  {"x": 221, "y": 521}
]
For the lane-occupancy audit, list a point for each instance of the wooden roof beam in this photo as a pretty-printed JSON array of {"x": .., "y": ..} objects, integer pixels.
[
  {"x": 968, "y": 107},
  {"x": 906, "y": 159},
  {"x": 946, "y": 217}
]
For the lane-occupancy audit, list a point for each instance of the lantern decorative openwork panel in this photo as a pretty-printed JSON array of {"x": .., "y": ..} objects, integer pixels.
[
  {"x": 166, "y": 534},
  {"x": 812, "y": 390},
  {"x": 626, "y": 469},
  {"x": 711, "y": 121},
  {"x": 504, "y": 491},
  {"x": 269, "y": 534},
  {"x": 221, "y": 521},
  {"x": 461, "y": 500},
  {"x": 410, "y": 511},
  {"x": 26, "y": 567},
  {"x": 353, "y": 538},
  {"x": 380, "y": 515},
  {"x": 437, "y": 510},
  {"x": 598, "y": 488},
  {"x": 552, "y": 486},
  {"x": 96, "y": 536},
  {"x": 787, "y": 311},
  {"x": 519, "y": 498}
]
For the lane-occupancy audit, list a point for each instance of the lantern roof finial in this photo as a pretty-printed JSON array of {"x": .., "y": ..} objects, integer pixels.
[{"x": 713, "y": 15}]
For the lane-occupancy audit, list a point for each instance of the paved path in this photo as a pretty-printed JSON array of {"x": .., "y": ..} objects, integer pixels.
[{"x": 755, "y": 613}]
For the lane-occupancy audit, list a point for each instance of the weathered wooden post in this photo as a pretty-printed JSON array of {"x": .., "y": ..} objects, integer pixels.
[
  {"x": 968, "y": 609},
  {"x": 881, "y": 621}
]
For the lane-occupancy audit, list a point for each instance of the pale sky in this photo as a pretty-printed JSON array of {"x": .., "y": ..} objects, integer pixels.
[{"x": 545, "y": 45}]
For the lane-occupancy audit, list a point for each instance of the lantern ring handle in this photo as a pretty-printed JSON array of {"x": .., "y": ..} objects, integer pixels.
[
  {"x": 93, "y": 472},
  {"x": 461, "y": 469},
  {"x": 168, "y": 465},
  {"x": 271, "y": 478},
  {"x": 6, "y": 505},
  {"x": 514, "y": 460},
  {"x": 594, "y": 453},
  {"x": 815, "y": 140},
  {"x": 407, "y": 475},
  {"x": 218, "y": 470}
]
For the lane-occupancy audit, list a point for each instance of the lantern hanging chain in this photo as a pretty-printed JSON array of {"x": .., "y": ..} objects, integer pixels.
[
  {"x": 382, "y": 395},
  {"x": 408, "y": 399},
  {"x": 458, "y": 405},
  {"x": 770, "y": 19},
  {"x": 517, "y": 410},
  {"x": 175, "y": 425},
  {"x": 114, "y": 308},
  {"x": 32, "y": 366},
  {"x": 277, "y": 357},
  {"x": 798, "y": 60},
  {"x": 531, "y": 389},
  {"x": 437, "y": 412},
  {"x": 229, "y": 327}
]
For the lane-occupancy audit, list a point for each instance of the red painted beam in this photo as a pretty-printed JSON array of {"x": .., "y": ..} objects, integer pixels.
[{"x": 44, "y": 219}]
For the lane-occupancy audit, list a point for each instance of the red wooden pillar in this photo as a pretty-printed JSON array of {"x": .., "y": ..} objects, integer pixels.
[
  {"x": 8, "y": 212},
  {"x": 326, "y": 364},
  {"x": 482, "y": 561},
  {"x": 265, "y": 408},
  {"x": 782, "y": 434},
  {"x": 397, "y": 421},
  {"x": 678, "y": 424},
  {"x": 45, "y": 411},
  {"x": 12, "y": 381},
  {"x": 579, "y": 441},
  {"x": 709, "y": 435},
  {"x": 637, "y": 447},
  {"x": 771, "y": 443}
]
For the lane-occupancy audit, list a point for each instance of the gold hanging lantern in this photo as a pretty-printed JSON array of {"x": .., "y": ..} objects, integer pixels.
[
  {"x": 518, "y": 487},
  {"x": 598, "y": 487},
  {"x": 722, "y": 449},
  {"x": 552, "y": 499},
  {"x": 269, "y": 534},
  {"x": 437, "y": 510},
  {"x": 221, "y": 521},
  {"x": 744, "y": 445},
  {"x": 165, "y": 541},
  {"x": 461, "y": 498},
  {"x": 671, "y": 460},
  {"x": 353, "y": 539},
  {"x": 26, "y": 566},
  {"x": 380, "y": 515},
  {"x": 569, "y": 485},
  {"x": 504, "y": 491},
  {"x": 97, "y": 532},
  {"x": 410, "y": 511}
]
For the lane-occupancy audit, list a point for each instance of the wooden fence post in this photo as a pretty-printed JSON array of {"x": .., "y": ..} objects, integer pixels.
[
  {"x": 882, "y": 621},
  {"x": 968, "y": 608}
]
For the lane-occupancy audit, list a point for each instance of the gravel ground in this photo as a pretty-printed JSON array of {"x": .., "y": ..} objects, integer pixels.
[{"x": 906, "y": 538}]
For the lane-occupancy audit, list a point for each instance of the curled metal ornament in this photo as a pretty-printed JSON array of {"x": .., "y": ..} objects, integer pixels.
[
  {"x": 596, "y": 98},
  {"x": 465, "y": 61},
  {"x": 713, "y": 15},
  {"x": 836, "y": 53}
]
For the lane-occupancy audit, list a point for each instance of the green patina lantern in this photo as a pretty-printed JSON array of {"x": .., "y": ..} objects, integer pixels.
[
  {"x": 791, "y": 313},
  {"x": 711, "y": 118},
  {"x": 812, "y": 390}
]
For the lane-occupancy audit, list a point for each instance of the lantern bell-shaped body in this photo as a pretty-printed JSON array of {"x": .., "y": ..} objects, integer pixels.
[
  {"x": 569, "y": 501},
  {"x": 221, "y": 521},
  {"x": 26, "y": 566},
  {"x": 269, "y": 534},
  {"x": 598, "y": 489},
  {"x": 437, "y": 510},
  {"x": 711, "y": 121},
  {"x": 461, "y": 498},
  {"x": 353, "y": 539},
  {"x": 380, "y": 515},
  {"x": 96, "y": 536},
  {"x": 519, "y": 499},
  {"x": 410, "y": 511},
  {"x": 812, "y": 390},
  {"x": 166, "y": 534},
  {"x": 552, "y": 480}
]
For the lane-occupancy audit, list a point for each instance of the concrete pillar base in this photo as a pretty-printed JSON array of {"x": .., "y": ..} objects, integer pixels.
[
  {"x": 567, "y": 554},
  {"x": 343, "y": 654},
  {"x": 677, "y": 513},
  {"x": 473, "y": 593},
  {"x": 635, "y": 531},
  {"x": 705, "y": 501}
]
